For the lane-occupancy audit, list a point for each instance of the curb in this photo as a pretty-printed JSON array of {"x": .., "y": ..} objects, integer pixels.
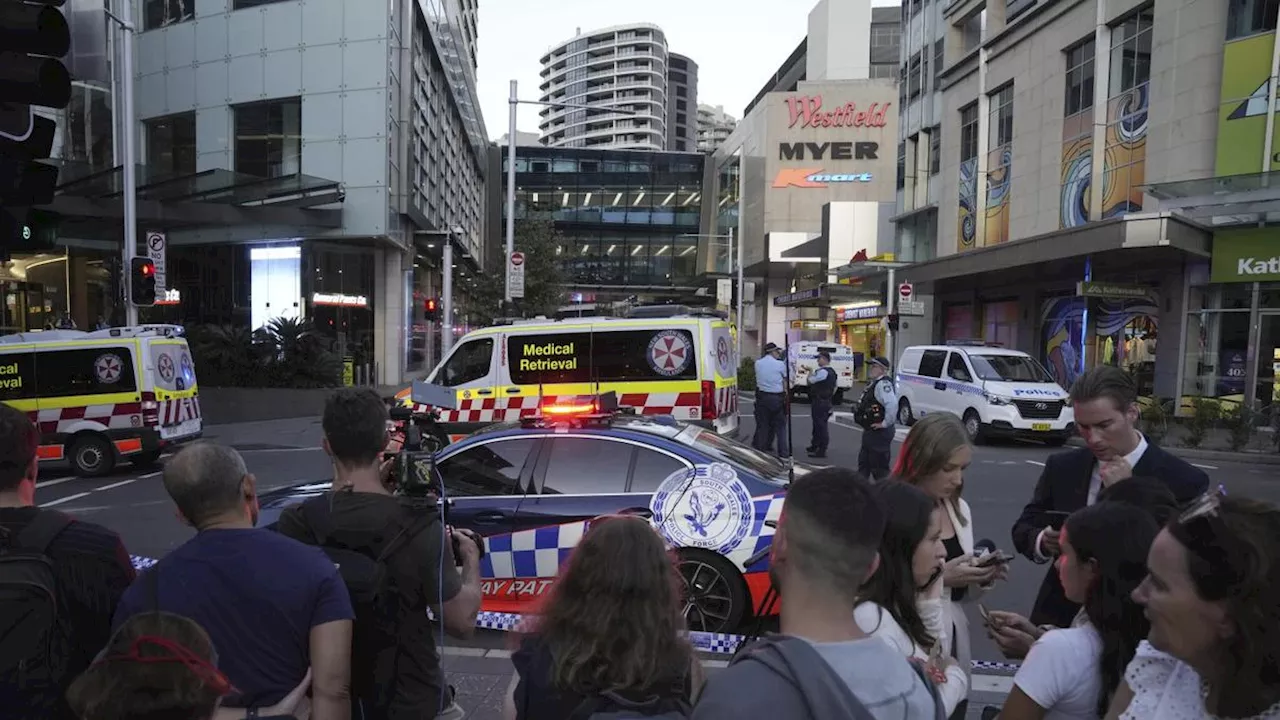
[{"x": 1256, "y": 458}]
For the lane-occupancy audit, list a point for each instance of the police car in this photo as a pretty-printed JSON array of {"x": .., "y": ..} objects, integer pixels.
[{"x": 530, "y": 487}]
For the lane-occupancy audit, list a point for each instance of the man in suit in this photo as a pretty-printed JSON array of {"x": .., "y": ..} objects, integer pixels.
[{"x": 1105, "y": 400}]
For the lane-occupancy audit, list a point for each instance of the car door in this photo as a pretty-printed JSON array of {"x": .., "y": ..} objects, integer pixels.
[
  {"x": 485, "y": 482},
  {"x": 960, "y": 385},
  {"x": 932, "y": 395},
  {"x": 470, "y": 372}
]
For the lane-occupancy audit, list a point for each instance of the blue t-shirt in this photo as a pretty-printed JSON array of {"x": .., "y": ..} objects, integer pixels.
[{"x": 257, "y": 594}]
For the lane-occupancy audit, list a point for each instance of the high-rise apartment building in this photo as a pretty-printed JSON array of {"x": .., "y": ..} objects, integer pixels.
[
  {"x": 682, "y": 104},
  {"x": 714, "y": 126},
  {"x": 639, "y": 95}
]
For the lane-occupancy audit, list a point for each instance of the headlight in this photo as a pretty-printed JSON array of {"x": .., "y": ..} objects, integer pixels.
[{"x": 999, "y": 400}]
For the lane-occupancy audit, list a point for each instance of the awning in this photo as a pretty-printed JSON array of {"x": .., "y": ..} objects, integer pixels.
[
  {"x": 825, "y": 295},
  {"x": 1226, "y": 200},
  {"x": 1153, "y": 232}
]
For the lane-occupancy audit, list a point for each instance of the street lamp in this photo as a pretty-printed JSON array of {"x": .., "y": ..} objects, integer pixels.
[
  {"x": 741, "y": 284},
  {"x": 513, "y": 103},
  {"x": 128, "y": 150}
]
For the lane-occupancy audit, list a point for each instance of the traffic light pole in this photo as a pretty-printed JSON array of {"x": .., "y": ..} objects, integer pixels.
[{"x": 128, "y": 153}]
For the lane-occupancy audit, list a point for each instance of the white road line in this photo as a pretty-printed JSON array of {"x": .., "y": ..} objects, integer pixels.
[
  {"x": 294, "y": 449},
  {"x": 51, "y": 483},
  {"x": 148, "y": 475},
  {"x": 112, "y": 486},
  {"x": 68, "y": 498},
  {"x": 1205, "y": 467},
  {"x": 1035, "y": 462}
]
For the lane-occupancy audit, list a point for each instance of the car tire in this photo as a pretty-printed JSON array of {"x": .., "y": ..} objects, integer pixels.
[
  {"x": 91, "y": 455},
  {"x": 145, "y": 459},
  {"x": 718, "y": 601},
  {"x": 905, "y": 418},
  {"x": 973, "y": 426}
]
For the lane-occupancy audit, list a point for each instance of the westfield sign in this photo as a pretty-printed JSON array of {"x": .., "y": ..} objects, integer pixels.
[{"x": 807, "y": 112}]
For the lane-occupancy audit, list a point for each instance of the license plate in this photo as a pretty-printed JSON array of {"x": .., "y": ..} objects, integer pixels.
[
  {"x": 182, "y": 429},
  {"x": 1041, "y": 427}
]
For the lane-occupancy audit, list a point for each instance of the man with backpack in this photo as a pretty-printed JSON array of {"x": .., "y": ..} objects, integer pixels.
[
  {"x": 822, "y": 666},
  {"x": 60, "y": 582},
  {"x": 397, "y": 559}
]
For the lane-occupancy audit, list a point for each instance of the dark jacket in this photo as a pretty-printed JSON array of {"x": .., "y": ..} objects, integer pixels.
[
  {"x": 1064, "y": 487},
  {"x": 826, "y": 388}
]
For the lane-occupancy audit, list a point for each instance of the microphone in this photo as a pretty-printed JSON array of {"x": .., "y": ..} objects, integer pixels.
[
  {"x": 984, "y": 547},
  {"x": 762, "y": 554}
]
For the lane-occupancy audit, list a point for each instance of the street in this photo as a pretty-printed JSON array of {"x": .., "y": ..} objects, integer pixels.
[{"x": 281, "y": 453}]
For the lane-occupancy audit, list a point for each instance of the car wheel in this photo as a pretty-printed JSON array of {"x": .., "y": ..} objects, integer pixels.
[
  {"x": 715, "y": 595},
  {"x": 92, "y": 456},
  {"x": 145, "y": 459},
  {"x": 973, "y": 426},
  {"x": 905, "y": 418}
]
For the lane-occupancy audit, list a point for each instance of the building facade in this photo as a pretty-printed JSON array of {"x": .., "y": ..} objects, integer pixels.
[
  {"x": 682, "y": 104},
  {"x": 379, "y": 107},
  {"x": 1071, "y": 179},
  {"x": 620, "y": 70},
  {"x": 629, "y": 219},
  {"x": 714, "y": 127}
]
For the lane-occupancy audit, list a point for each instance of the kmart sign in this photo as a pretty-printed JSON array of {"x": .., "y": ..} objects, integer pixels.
[{"x": 1251, "y": 255}]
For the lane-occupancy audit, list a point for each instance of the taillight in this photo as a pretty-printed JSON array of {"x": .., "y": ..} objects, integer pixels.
[
  {"x": 708, "y": 400},
  {"x": 150, "y": 409}
]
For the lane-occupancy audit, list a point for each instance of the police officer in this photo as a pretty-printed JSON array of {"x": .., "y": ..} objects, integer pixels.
[
  {"x": 822, "y": 386},
  {"x": 771, "y": 402},
  {"x": 876, "y": 411}
]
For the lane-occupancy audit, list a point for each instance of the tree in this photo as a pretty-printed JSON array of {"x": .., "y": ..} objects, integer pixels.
[{"x": 544, "y": 277}]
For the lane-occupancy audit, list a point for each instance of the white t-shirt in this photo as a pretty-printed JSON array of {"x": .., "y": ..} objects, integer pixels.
[
  {"x": 1060, "y": 673},
  {"x": 1167, "y": 688}
]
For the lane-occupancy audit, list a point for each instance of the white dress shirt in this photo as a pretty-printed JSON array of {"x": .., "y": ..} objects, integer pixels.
[{"x": 1095, "y": 485}]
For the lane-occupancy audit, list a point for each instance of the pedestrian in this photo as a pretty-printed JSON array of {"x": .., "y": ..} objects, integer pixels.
[
  {"x": 771, "y": 402},
  {"x": 875, "y": 413},
  {"x": 1105, "y": 402},
  {"x": 822, "y": 665},
  {"x": 273, "y": 606},
  {"x": 46, "y": 554},
  {"x": 822, "y": 387}
]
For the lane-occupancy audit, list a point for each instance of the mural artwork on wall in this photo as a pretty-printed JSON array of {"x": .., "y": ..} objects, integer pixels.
[
  {"x": 1125, "y": 165},
  {"x": 968, "y": 203},
  {"x": 996, "y": 228},
  {"x": 1077, "y": 170}
]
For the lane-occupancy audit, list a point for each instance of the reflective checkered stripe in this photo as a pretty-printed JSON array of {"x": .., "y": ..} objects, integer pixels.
[
  {"x": 535, "y": 553},
  {"x": 727, "y": 400},
  {"x": 111, "y": 416},
  {"x": 179, "y": 410},
  {"x": 683, "y": 406}
]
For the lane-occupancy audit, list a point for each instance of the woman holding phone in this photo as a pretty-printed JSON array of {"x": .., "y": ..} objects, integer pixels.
[
  {"x": 933, "y": 458},
  {"x": 902, "y": 601}
]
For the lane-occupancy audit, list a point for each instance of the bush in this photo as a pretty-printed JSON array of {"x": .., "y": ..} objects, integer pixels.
[
  {"x": 747, "y": 375},
  {"x": 1155, "y": 419},
  {"x": 1205, "y": 413},
  {"x": 285, "y": 353},
  {"x": 1241, "y": 424}
]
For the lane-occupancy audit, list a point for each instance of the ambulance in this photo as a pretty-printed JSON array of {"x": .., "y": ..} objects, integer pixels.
[
  {"x": 105, "y": 396},
  {"x": 659, "y": 360},
  {"x": 803, "y": 360}
]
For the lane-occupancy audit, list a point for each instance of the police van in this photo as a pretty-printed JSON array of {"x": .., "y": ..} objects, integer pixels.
[
  {"x": 659, "y": 360},
  {"x": 803, "y": 360},
  {"x": 103, "y": 396},
  {"x": 994, "y": 390}
]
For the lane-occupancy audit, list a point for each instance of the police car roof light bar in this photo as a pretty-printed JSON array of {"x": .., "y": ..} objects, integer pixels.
[{"x": 971, "y": 342}]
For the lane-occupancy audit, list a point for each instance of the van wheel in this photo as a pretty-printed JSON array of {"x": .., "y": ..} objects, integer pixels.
[
  {"x": 715, "y": 595},
  {"x": 905, "y": 418},
  {"x": 973, "y": 426},
  {"x": 92, "y": 456},
  {"x": 145, "y": 459}
]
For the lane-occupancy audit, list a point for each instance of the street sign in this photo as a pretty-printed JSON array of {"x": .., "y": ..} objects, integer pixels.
[
  {"x": 157, "y": 242},
  {"x": 911, "y": 307},
  {"x": 906, "y": 292},
  {"x": 515, "y": 270}
]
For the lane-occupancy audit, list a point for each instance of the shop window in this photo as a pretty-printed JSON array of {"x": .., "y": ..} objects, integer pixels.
[
  {"x": 275, "y": 276},
  {"x": 959, "y": 322},
  {"x": 163, "y": 13},
  {"x": 1217, "y": 355},
  {"x": 268, "y": 138},
  {"x": 1000, "y": 323}
]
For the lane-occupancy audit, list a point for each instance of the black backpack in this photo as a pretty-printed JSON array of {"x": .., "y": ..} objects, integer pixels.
[
  {"x": 375, "y": 639},
  {"x": 32, "y": 641}
]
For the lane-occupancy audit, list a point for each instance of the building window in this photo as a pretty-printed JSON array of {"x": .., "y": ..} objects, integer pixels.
[
  {"x": 242, "y": 4},
  {"x": 1077, "y": 137},
  {"x": 902, "y": 165},
  {"x": 938, "y": 60},
  {"x": 968, "y": 221},
  {"x": 171, "y": 145},
  {"x": 163, "y": 13},
  {"x": 269, "y": 138},
  {"x": 913, "y": 76},
  {"x": 972, "y": 29},
  {"x": 1250, "y": 17},
  {"x": 935, "y": 150},
  {"x": 999, "y": 171},
  {"x": 884, "y": 36},
  {"x": 1128, "y": 98}
]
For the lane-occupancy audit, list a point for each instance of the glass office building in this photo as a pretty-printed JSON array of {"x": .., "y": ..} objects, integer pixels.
[{"x": 629, "y": 218}]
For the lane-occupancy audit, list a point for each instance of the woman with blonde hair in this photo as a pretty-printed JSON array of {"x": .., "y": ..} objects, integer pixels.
[{"x": 933, "y": 458}]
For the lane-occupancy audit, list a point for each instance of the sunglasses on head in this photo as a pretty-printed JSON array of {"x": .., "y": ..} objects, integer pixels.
[{"x": 1210, "y": 538}]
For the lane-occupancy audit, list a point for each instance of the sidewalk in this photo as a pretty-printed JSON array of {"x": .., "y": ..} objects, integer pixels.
[{"x": 301, "y": 432}]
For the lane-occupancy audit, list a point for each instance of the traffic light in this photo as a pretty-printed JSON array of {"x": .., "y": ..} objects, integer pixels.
[
  {"x": 431, "y": 306},
  {"x": 142, "y": 282},
  {"x": 893, "y": 322},
  {"x": 33, "y": 38}
]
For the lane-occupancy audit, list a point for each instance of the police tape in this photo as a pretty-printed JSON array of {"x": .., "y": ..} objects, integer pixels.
[{"x": 718, "y": 643}]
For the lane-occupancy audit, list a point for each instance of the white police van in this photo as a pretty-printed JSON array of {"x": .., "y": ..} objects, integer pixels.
[
  {"x": 803, "y": 361},
  {"x": 997, "y": 392}
]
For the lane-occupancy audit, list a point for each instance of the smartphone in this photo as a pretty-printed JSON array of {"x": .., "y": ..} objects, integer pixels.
[{"x": 999, "y": 557}]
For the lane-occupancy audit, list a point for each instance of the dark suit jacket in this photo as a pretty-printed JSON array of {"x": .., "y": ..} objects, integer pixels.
[{"x": 1064, "y": 487}]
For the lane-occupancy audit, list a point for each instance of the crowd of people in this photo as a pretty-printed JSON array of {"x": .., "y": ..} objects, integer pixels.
[{"x": 1162, "y": 600}]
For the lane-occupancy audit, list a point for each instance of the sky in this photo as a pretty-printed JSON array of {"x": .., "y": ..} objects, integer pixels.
[{"x": 737, "y": 44}]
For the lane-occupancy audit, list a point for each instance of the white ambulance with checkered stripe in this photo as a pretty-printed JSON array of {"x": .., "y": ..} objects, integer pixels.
[
  {"x": 103, "y": 396},
  {"x": 677, "y": 362}
]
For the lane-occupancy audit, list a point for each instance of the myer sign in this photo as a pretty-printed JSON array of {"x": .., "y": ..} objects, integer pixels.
[{"x": 1251, "y": 255}]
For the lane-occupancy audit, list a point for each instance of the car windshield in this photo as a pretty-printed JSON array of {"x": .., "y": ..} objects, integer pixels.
[
  {"x": 734, "y": 453},
  {"x": 1010, "y": 368}
]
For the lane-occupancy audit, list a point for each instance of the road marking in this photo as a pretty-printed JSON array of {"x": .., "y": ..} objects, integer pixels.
[
  {"x": 1035, "y": 462},
  {"x": 112, "y": 486},
  {"x": 1205, "y": 467},
  {"x": 293, "y": 449},
  {"x": 68, "y": 498},
  {"x": 59, "y": 481},
  {"x": 148, "y": 475}
]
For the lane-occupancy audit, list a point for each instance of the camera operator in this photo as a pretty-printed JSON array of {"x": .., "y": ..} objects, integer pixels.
[{"x": 394, "y": 555}]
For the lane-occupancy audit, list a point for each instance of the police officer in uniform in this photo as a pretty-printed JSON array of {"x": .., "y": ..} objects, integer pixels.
[
  {"x": 771, "y": 402},
  {"x": 822, "y": 386},
  {"x": 876, "y": 411}
]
